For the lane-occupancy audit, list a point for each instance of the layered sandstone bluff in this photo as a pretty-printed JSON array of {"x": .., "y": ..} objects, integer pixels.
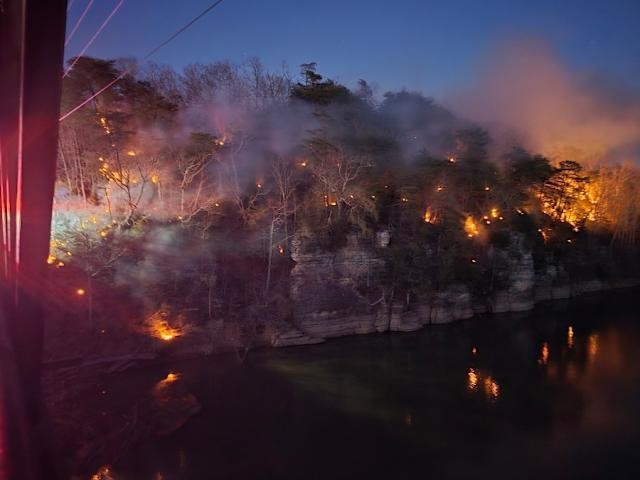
[{"x": 342, "y": 292}]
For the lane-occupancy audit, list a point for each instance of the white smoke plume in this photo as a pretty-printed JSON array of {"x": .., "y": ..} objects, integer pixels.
[{"x": 525, "y": 91}]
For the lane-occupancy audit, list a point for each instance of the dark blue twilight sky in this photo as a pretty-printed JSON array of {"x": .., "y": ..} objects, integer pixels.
[{"x": 424, "y": 45}]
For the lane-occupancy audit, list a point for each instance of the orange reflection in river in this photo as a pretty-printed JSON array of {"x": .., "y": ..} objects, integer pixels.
[
  {"x": 544, "y": 354},
  {"x": 570, "y": 337},
  {"x": 169, "y": 379},
  {"x": 593, "y": 346},
  {"x": 491, "y": 388},
  {"x": 472, "y": 379}
]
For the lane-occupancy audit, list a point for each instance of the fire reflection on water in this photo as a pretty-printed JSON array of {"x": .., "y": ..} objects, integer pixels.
[
  {"x": 408, "y": 419},
  {"x": 166, "y": 381},
  {"x": 593, "y": 346},
  {"x": 472, "y": 379},
  {"x": 570, "y": 337},
  {"x": 490, "y": 386},
  {"x": 544, "y": 354}
]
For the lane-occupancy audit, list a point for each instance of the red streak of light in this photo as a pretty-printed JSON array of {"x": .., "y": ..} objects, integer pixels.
[
  {"x": 78, "y": 22},
  {"x": 20, "y": 156},
  {"x": 106, "y": 87},
  {"x": 4, "y": 474},
  {"x": 146, "y": 57},
  {"x": 91, "y": 40}
]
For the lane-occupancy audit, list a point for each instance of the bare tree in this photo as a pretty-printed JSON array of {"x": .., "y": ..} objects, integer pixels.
[{"x": 337, "y": 172}]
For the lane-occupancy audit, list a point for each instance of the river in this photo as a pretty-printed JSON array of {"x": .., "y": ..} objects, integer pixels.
[{"x": 554, "y": 393}]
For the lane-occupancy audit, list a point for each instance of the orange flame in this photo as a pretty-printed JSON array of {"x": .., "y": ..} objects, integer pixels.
[
  {"x": 429, "y": 216},
  {"x": 470, "y": 227},
  {"x": 159, "y": 327}
]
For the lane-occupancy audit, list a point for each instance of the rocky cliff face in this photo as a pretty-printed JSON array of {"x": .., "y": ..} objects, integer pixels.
[
  {"x": 332, "y": 292},
  {"x": 341, "y": 293},
  {"x": 519, "y": 273}
]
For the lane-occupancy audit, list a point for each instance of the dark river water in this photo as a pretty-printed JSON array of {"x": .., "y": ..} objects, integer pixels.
[{"x": 554, "y": 393}]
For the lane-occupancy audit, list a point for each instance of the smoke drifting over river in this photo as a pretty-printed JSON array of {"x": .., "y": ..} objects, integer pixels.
[{"x": 527, "y": 93}]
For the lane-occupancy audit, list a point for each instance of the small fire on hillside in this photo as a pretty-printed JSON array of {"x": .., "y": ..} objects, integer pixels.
[{"x": 159, "y": 326}]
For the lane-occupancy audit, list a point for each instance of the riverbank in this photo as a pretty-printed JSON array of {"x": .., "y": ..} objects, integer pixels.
[
  {"x": 344, "y": 292},
  {"x": 499, "y": 392},
  {"x": 326, "y": 294},
  {"x": 454, "y": 304}
]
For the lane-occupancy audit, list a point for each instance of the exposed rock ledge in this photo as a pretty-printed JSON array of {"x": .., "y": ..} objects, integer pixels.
[
  {"x": 327, "y": 299},
  {"x": 445, "y": 307}
]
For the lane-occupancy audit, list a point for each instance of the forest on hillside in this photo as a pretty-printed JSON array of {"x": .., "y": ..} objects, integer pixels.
[{"x": 184, "y": 194}]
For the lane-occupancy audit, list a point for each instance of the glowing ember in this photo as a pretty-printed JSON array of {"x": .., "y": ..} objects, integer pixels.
[
  {"x": 80, "y": 292},
  {"x": 439, "y": 188},
  {"x": 545, "y": 235},
  {"x": 155, "y": 179},
  {"x": 51, "y": 259},
  {"x": 452, "y": 160},
  {"x": 131, "y": 153},
  {"x": 104, "y": 473},
  {"x": 495, "y": 213},
  {"x": 105, "y": 125},
  {"x": 303, "y": 164},
  {"x": 474, "y": 350},
  {"x": 487, "y": 189},
  {"x": 429, "y": 216},
  {"x": 281, "y": 249},
  {"x": 470, "y": 227}
]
